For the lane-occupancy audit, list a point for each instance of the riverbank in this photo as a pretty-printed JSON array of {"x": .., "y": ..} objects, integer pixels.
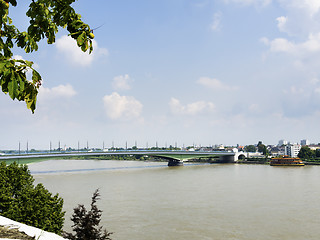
[
  {"x": 267, "y": 162},
  {"x": 9, "y": 233},
  {"x": 312, "y": 163}
]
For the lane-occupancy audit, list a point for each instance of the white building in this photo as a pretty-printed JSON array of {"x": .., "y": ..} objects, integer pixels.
[
  {"x": 292, "y": 150},
  {"x": 305, "y": 142}
]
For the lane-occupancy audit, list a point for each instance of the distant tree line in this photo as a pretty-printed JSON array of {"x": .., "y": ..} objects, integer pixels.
[
  {"x": 259, "y": 148},
  {"x": 114, "y": 157},
  {"x": 307, "y": 153}
]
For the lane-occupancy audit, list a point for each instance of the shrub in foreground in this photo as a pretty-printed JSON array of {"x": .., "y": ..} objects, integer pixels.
[{"x": 86, "y": 223}]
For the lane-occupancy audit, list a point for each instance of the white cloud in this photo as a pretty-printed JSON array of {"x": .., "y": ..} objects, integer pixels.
[
  {"x": 216, "y": 24},
  {"x": 311, "y": 45},
  {"x": 17, "y": 57},
  {"x": 61, "y": 91},
  {"x": 302, "y": 46},
  {"x": 282, "y": 45},
  {"x": 122, "y": 82},
  {"x": 69, "y": 48},
  {"x": 282, "y": 23},
  {"x": 122, "y": 107},
  {"x": 190, "y": 109},
  {"x": 301, "y": 17},
  {"x": 214, "y": 84},
  {"x": 311, "y": 6}
]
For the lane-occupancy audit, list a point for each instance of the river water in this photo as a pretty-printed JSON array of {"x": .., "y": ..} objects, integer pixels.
[{"x": 144, "y": 201}]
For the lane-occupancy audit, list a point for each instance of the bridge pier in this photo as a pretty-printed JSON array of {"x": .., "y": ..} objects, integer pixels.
[
  {"x": 174, "y": 162},
  {"x": 226, "y": 159}
]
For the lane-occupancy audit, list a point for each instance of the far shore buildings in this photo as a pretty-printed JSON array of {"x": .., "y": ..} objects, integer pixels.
[
  {"x": 314, "y": 146},
  {"x": 292, "y": 150},
  {"x": 305, "y": 142}
]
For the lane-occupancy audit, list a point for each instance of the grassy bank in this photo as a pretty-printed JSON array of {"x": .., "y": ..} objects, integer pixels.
[
  {"x": 24, "y": 160},
  {"x": 254, "y": 161}
]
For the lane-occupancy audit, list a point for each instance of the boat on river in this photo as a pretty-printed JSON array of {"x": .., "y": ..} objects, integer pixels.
[{"x": 286, "y": 161}]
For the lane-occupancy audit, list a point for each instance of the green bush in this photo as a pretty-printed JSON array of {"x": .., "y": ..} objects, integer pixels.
[
  {"x": 86, "y": 223},
  {"x": 21, "y": 201}
]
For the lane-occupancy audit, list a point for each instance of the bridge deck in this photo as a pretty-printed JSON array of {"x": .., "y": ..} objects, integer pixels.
[{"x": 181, "y": 155}]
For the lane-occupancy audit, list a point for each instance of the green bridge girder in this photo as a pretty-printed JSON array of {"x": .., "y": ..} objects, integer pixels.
[{"x": 171, "y": 156}]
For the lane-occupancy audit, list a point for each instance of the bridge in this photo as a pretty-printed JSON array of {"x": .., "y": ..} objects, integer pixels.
[{"x": 175, "y": 158}]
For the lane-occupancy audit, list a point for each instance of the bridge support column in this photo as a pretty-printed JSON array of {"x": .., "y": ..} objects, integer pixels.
[
  {"x": 226, "y": 159},
  {"x": 175, "y": 162}
]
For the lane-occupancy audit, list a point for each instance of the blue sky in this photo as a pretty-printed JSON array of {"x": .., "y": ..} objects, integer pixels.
[{"x": 179, "y": 72}]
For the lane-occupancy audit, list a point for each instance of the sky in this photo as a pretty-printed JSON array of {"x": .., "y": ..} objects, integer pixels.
[{"x": 175, "y": 72}]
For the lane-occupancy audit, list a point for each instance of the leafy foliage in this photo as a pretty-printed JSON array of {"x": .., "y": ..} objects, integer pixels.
[
  {"x": 250, "y": 148},
  {"x": 86, "y": 223},
  {"x": 45, "y": 18},
  {"x": 306, "y": 153},
  {"x": 21, "y": 201},
  {"x": 262, "y": 148}
]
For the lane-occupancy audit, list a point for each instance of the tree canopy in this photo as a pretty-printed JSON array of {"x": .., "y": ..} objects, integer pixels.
[
  {"x": 250, "y": 148},
  {"x": 86, "y": 223},
  {"x": 46, "y": 16},
  {"x": 306, "y": 153},
  {"x": 21, "y": 201},
  {"x": 262, "y": 148}
]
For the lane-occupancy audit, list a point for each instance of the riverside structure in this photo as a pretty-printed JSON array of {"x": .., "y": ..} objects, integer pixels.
[{"x": 175, "y": 158}]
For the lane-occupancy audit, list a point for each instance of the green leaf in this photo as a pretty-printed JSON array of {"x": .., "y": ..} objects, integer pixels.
[
  {"x": 35, "y": 76},
  {"x": 4, "y": 81},
  {"x": 91, "y": 47},
  {"x": 45, "y": 16},
  {"x": 13, "y": 86},
  {"x": 34, "y": 45},
  {"x": 27, "y": 49},
  {"x": 22, "y": 84},
  {"x": 2, "y": 66},
  {"x": 31, "y": 104},
  {"x": 81, "y": 38},
  {"x": 13, "y": 2}
]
